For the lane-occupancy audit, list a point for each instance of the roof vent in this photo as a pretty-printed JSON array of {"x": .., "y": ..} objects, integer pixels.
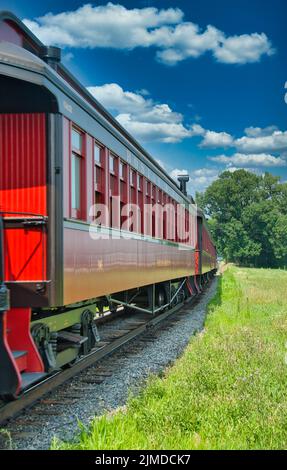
[
  {"x": 183, "y": 180},
  {"x": 51, "y": 55}
]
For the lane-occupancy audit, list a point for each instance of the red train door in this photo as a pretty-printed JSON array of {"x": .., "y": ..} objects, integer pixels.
[{"x": 23, "y": 208}]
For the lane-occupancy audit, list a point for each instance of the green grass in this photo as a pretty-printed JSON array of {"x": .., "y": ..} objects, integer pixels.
[{"x": 228, "y": 390}]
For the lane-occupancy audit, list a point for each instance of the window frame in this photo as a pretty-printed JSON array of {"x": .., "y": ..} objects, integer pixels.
[
  {"x": 123, "y": 166},
  {"x": 113, "y": 159},
  {"x": 98, "y": 167},
  {"x": 80, "y": 153},
  {"x": 100, "y": 147}
]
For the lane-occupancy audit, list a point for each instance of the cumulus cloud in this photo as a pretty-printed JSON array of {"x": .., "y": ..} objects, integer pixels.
[
  {"x": 175, "y": 173},
  {"x": 260, "y": 132},
  {"x": 272, "y": 142},
  {"x": 149, "y": 121},
  {"x": 115, "y": 26},
  {"x": 199, "y": 179},
  {"x": 243, "y": 49},
  {"x": 186, "y": 40},
  {"x": 142, "y": 117},
  {"x": 110, "y": 25},
  {"x": 257, "y": 160},
  {"x": 257, "y": 171},
  {"x": 202, "y": 178},
  {"x": 150, "y": 131},
  {"x": 256, "y": 140},
  {"x": 113, "y": 97},
  {"x": 214, "y": 139}
]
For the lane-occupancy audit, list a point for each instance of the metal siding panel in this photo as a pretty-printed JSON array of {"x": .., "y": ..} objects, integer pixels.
[
  {"x": 94, "y": 268},
  {"x": 208, "y": 252},
  {"x": 23, "y": 163},
  {"x": 23, "y": 190},
  {"x": 25, "y": 254}
]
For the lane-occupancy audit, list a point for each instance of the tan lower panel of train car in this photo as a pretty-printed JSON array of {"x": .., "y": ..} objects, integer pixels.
[{"x": 93, "y": 268}]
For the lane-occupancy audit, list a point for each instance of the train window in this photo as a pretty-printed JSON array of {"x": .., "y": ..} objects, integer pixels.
[
  {"x": 112, "y": 164},
  {"x": 98, "y": 197},
  {"x": 97, "y": 154},
  {"x": 131, "y": 177},
  {"x": 121, "y": 170},
  {"x": 77, "y": 172},
  {"x": 76, "y": 183},
  {"x": 76, "y": 141},
  {"x": 139, "y": 182},
  {"x": 111, "y": 212},
  {"x": 147, "y": 188}
]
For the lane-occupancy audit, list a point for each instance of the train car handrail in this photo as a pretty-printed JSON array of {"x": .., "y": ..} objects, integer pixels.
[{"x": 4, "y": 292}]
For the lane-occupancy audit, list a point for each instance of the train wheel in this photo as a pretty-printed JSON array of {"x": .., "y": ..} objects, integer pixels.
[{"x": 160, "y": 298}]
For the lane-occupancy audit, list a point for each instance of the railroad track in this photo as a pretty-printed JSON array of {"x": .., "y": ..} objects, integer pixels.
[{"x": 117, "y": 332}]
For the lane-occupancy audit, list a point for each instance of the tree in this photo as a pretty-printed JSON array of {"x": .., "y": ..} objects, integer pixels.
[{"x": 247, "y": 216}]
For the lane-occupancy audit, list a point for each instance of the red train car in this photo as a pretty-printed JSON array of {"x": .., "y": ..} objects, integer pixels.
[{"x": 62, "y": 158}]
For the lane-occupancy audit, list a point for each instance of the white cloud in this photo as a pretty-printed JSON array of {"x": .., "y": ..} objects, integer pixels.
[
  {"x": 243, "y": 49},
  {"x": 274, "y": 142},
  {"x": 202, "y": 178},
  {"x": 115, "y": 26},
  {"x": 216, "y": 139},
  {"x": 110, "y": 25},
  {"x": 150, "y": 121},
  {"x": 142, "y": 117},
  {"x": 150, "y": 131},
  {"x": 67, "y": 57},
  {"x": 259, "y": 132},
  {"x": 232, "y": 169},
  {"x": 199, "y": 180},
  {"x": 175, "y": 173},
  {"x": 239, "y": 159},
  {"x": 113, "y": 97},
  {"x": 161, "y": 163},
  {"x": 185, "y": 40},
  {"x": 205, "y": 172},
  {"x": 256, "y": 140},
  {"x": 198, "y": 130}
]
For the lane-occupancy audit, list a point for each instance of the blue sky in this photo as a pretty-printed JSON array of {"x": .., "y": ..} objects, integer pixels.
[{"x": 199, "y": 83}]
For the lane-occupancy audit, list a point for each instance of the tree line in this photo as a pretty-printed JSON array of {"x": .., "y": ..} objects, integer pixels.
[{"x": 247, "y": 217}]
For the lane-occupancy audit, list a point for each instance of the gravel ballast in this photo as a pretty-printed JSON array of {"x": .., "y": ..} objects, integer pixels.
[{"x": 81, "y": 399}]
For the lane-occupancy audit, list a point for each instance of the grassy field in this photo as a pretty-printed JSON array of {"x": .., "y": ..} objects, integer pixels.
[{"x": 228, "y": 390}]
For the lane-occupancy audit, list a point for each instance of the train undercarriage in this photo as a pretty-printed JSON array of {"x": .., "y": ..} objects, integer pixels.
[{"x": 37, "y": 342}]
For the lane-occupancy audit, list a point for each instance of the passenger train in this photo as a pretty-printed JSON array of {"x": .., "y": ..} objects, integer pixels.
[{"x": 62, "y": 156}]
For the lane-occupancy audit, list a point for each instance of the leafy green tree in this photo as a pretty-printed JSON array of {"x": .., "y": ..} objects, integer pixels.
[
  {"x": 247, "y": 216},
  {"x": 279, "y": 239}
]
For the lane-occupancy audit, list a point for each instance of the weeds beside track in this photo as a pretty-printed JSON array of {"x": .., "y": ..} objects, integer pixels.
[{"x": 228, "y": 391}]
